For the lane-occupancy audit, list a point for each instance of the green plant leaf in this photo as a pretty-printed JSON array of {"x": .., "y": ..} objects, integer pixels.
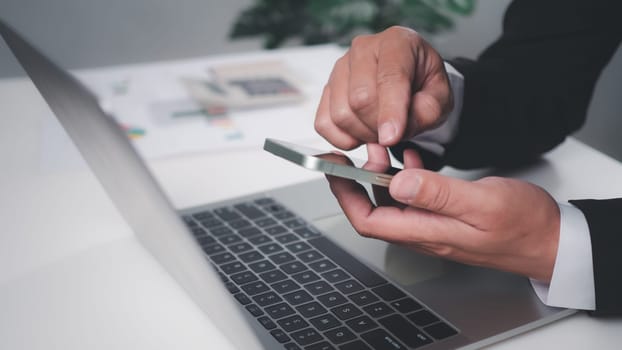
[{"x": 320, "y": 21}]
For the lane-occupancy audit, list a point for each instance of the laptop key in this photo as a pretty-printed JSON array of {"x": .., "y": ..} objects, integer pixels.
[
  {"x": 319, "y": 287},
  {"x": 249, "y": 210},
  {"x": 339, "y": 335},
  {"x": 205, "y": 240},
  {"x": 264, "y": 201},
  {"x": 291, "y": 346},
  {"x": 311, "y": 309},
  {"x": 378, "y": 309},
  {"x": 261, "y": 266},
  {"x": 293, "y": 267},
  {"x": 198, "y": 232},
  {"x": 270, "y": 248},
  {"x": 254, "y": 310},
  {"x": 305, "y": 277},
  {"x": 242, "y": 298},
  {"x": 363, "y": 298},
  {"x": 332, "y": 299},
  {"x": 285, "y": 286},
  {"x": 211, "y": 222},
  {"x": 306, "y": 336},
  {"x": 346, "y": 311},
  {"x": 255, "y": 288},
  {"x": 335, "y": 276},
  {"x": 379, "y": 339},
  {"x": 322, "y": 266},
  {"x": 325, "y": 322},
  {"x": 232, "y": 267},
  {"x": 286, "y": 238},
  {"x": 203, "y": 215},
  {"x": 243, "y": 277},
  {"x": 294, "y": 223},
  {"x": 240, "y": 224},
  {"x": 222, "y": 258},
  {"x": 405, "y": 331},
  {"x": 250, "y": 256},
  {"x": 306, "y": 232},
  {"x": 231, "y": 287},
  {"x": 272, "y": 207},
  {"x": 320, "y": 346},
  {"x": 310, "y": 256},
  {"x": 281, "y": 258},
  {"x": 266, "y": 322},
  {"x": 227, "y": 214},
  {"x": 389, "y": 292},
  {"x": 273, "y": 276},
  {"x": 213, "y": 249},
  {"x": 220, "y": 231},
  {"x": 298, "y": 247},
  {"x": 406, "y": 305},
  {"x": 349, "y": 286},
  {"x": 440, "y": 330},
  {"x": 361, "y": 324},
  {"x": 275, "y": 230},
  {"x": 265, "y": 222},
  {"x": 240, "y": 247},
  {"x": 423, "y": 318},
  {"x": 189, "y": 222},
  {"x": 292, "y": 323},
  {"x": 283, "y": 215},
  {"x": 266, "y": 299},
  {"x": 355, "y": 267},
  {"x": 298, "y": 297},
  {"x": 355, "y": 345},
  {"x": 260, "y": 239},
  {"x": 279, "y": 311},
  {"x": 230, "y": 239},
  {"x": 249, "y": 231},
  {"x": 222, "y": 276},
  {"x": 280, "y": 336}
]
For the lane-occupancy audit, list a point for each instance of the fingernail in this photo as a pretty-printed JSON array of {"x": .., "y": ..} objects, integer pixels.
[
  {"x": 387, "y": 133},
  {"x": 406, "y": 187}
]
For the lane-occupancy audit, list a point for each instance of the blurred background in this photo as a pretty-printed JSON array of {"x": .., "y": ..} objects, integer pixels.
[{"x": 90, "y": 33}]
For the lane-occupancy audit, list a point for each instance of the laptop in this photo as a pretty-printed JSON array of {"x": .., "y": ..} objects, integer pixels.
[{"x": 282, "y": 269}]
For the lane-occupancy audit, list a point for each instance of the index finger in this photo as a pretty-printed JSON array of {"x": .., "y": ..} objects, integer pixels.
[{"x": 394, "y": 79}]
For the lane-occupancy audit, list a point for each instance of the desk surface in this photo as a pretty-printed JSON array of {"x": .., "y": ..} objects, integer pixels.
[{"x": 72, "y": 276}]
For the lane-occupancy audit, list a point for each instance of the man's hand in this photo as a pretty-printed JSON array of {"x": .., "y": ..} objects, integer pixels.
[
  {"x": 387, "y": 88},
  {"x": 495, "y": 222}
]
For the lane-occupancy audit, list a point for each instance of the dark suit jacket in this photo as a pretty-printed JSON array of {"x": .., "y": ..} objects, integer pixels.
[{"x": 529, "y": 90}]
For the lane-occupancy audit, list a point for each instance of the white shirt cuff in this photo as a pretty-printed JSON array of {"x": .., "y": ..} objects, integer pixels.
[
  {"x": 572, "y": 283},
  {"x": 432, "y": 140}
]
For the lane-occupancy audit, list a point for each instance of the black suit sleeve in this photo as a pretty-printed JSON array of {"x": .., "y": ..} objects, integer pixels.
[
  {"x": 606, "y": 237},
  {"x": 532, "y": 87}
]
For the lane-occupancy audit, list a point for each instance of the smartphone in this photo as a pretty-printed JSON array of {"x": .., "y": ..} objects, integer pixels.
[{"x": 332, "y": 163}]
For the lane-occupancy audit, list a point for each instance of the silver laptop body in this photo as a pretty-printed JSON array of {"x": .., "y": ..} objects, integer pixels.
[{"x": 482, "y": 306}]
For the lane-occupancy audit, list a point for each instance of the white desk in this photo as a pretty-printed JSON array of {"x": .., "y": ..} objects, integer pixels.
[{"x": 73, "y": 277}]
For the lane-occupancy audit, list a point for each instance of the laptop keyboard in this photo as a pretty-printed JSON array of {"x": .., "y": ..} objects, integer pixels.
[{"x": 305, "y": 290}]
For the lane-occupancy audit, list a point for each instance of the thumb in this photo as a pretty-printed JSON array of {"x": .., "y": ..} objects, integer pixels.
[{"x": 437, "y": 193}]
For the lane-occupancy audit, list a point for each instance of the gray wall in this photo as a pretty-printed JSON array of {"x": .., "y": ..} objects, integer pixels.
[{"x": 93, "y": 33}]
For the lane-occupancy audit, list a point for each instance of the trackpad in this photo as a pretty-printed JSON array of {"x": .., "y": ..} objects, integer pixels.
[{"x": 403, "y": 265}]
